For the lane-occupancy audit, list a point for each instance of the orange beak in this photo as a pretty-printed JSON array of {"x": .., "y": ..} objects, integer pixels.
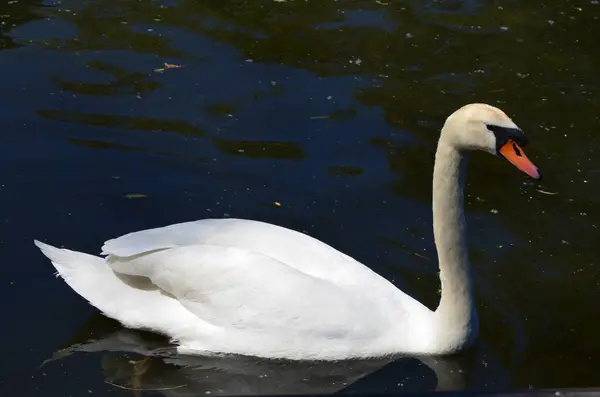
[{"x": 515, "y": 154}]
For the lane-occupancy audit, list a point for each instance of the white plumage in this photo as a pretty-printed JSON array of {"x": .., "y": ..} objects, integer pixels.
[
  {"x": 252, "y": 288},
  {"x": 242, "y": 286}
]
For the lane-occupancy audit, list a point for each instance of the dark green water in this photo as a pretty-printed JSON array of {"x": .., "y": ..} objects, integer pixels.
[{"x": 330, "y": 108}]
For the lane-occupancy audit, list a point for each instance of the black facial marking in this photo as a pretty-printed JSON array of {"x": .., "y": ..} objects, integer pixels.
[{"x": 504, "y": 134}]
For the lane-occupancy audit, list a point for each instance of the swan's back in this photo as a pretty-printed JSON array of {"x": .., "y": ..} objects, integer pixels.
[{"x": 293, "y": 248}]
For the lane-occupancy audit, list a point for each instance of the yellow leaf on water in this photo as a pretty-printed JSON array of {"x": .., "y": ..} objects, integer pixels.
[
  {"x": 135, "y": 195},
  {"x": 168, "y": 66},
  {"x": 173, "y": 66}
]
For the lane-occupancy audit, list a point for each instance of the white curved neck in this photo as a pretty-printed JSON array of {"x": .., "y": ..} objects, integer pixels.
[{"x": 455, "y": 318}]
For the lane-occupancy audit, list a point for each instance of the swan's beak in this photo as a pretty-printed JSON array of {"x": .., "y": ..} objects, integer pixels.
[{"x": 515, "y": 154}]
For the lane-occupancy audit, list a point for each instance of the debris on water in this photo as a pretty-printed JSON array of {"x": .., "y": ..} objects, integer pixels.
[
  {"x": 318, "y": 117},
  {"x": 168, "y": 66},
  {"x": 139, "y": 389},
  {"x": 420, "y": 256},
  {"x": 135, "y": 195},
  {"x": 381, "y": 3},
  {"x": 546, "y": 192},
  {"x": 494, "y": 211}
]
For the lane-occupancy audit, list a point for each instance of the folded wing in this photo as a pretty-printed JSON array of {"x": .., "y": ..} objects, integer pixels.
[{"x": 238, "y": 289}]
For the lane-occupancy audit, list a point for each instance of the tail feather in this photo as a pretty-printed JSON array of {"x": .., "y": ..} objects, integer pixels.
[
  {"x": 86, "y": 274},
  {"x": 134, "y": 301},
  {"x": 67, "y": 262}
]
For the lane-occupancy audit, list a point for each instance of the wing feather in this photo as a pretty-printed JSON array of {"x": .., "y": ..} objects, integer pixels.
[
  {"x": 236, "y": 288},
  {"x": 293, "y": 248}
]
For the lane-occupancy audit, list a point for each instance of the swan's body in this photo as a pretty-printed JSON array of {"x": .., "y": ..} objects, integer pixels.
[{"x": 252, "y": 288}]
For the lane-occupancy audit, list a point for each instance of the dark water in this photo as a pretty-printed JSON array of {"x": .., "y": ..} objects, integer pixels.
[{"x": 330, "y": 108}]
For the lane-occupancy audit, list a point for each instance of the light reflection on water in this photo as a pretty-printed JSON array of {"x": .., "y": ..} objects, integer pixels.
[{"x": 332, "y": 110}]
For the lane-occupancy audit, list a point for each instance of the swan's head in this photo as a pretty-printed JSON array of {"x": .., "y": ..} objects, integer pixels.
[{"x": 478, "y": 126}]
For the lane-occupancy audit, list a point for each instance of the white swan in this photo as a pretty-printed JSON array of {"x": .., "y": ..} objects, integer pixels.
[{"x": 251, "y": 288}]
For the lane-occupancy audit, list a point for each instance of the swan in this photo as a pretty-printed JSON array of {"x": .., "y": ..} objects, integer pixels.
[{"x": 244, "y": 287}]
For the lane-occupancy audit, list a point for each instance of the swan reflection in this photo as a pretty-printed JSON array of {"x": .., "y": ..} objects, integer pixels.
[{"x": 139, "y": 360}]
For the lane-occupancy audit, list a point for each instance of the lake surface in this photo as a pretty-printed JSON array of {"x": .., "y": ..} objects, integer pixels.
[{"x": 318, "y": 116}]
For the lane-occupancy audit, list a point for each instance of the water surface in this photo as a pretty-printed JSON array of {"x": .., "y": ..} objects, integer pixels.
[{"x": 124, "y": 115}]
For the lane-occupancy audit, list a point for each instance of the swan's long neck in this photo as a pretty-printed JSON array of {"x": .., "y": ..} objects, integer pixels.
[{"x": 455, "y": 318}]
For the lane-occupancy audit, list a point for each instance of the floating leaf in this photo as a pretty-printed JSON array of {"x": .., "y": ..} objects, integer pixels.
[
  {"x": 168, "y": 66},
  {"x": 173, "y": 66}
]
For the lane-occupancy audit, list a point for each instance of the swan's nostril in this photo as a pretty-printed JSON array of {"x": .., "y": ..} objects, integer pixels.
[{"x": 516, "y": 149}]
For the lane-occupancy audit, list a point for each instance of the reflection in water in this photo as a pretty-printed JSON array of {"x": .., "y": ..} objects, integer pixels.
[
  {"x": 103, "y": 25},
  {"x": 356, "y": 89},
  {"x": 95, "y": 144},
  {"x": 125, "y": 83},
  {"x": 124, "y": 122},
  {"x": 252, "y": 149},
  {"x": 161, "y": 370},
  {"x": 345, "y": 170},
  {"x": 16, "y": 13},
  {"x": 261, "y": 150},
  {"x": 220, "y": 109}
]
